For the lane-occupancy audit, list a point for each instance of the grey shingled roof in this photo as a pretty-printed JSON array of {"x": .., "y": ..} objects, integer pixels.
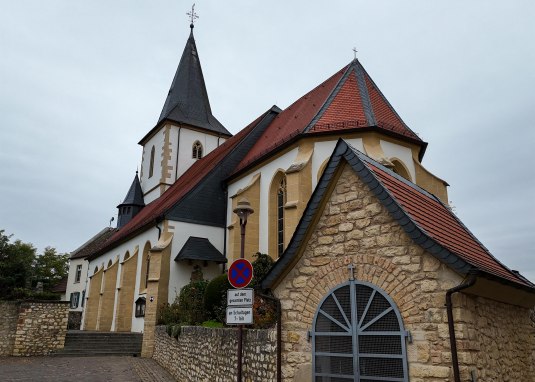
[
  {"x": 200, "y": 248},
  {"x": 93, "y": 244},
  {"x": 134, "y": 196},
  {"x": 187, "y": 101}
]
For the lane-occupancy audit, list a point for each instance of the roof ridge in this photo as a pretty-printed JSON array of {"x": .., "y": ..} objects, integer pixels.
[{"x": 332, "y": 95}]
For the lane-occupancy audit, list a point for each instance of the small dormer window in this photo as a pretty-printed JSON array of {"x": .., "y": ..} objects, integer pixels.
[
  {"x": 197, "y": 150},
  {"x": 140, "y": 307}
]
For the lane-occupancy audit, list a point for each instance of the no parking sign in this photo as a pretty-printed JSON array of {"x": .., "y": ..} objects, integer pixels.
[{"x": 240, "y": 273}]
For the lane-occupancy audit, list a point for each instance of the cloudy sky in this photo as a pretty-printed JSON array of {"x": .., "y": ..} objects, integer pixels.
[{"x": 82, "y": 82}]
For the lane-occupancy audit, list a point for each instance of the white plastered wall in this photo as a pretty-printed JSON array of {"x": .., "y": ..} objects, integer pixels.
[
  {"x": 183, "y": 138},
  {"x": 120, "y": 251},
  {"x": 73, "y": 287},
  {"x": 180, "y": 272},
  {"x": 322, "y": 151},
  {"x": 157, "y": 140},
  {"x": 402, "y": 153}
]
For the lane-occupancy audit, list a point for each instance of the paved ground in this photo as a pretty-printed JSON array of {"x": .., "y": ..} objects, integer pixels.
[{"x": 82, "y": 369}]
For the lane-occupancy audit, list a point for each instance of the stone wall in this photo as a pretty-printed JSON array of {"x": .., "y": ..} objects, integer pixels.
[
  {"x": 496, "y": 340},
  {"x": 206, "y": 354},
  {"x": 354, "y": 227},
  {"x": 9, "y": 314},
  {"x": 32, "y": 328}
]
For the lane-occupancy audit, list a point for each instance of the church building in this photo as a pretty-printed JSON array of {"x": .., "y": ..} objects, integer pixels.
[{"x": 367, "y": 249}]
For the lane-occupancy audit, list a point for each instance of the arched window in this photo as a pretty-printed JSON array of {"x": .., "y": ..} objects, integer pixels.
[
  {"x": 151, "y": 164},
  {"x": 145, "y": 267},
  {"x": 196, "y": 150},
  {"x": 96, "y": 270},
  {"x": 400, "y": 169},
  {"x": 281, "y": 201},
  {"x": 110, "y": 263},
  {"x": 358, "y": 335},
  {"x": 276, "y": 215}
]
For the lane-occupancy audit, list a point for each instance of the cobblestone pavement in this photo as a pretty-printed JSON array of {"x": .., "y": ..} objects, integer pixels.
[{"x": 82, "y": 369}]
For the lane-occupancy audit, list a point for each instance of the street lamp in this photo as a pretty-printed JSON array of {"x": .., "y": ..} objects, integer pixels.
[{"x": 243, "y": 210}]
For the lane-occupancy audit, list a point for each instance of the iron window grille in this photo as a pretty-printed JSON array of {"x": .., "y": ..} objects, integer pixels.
[{"x": 358, "y": 336}]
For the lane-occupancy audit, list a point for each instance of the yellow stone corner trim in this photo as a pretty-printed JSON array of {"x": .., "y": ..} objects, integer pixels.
[{"x": 254, "y": 179}]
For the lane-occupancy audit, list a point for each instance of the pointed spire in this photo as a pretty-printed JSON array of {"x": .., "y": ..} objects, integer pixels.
[
  {"x": 132, "y": 203},
  {"x": 187, "y": 101}
]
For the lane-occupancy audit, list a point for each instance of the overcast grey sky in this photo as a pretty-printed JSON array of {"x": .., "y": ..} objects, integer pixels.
[{"x": 82, "y": 82}]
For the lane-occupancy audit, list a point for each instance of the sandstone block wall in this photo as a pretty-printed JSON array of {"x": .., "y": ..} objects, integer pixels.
[
  {"x": 32, "y": 328},
  {"x": 9, "y": 314},
  {"x": 355, "y": 228},
  {"x": 206, "y": 354}
]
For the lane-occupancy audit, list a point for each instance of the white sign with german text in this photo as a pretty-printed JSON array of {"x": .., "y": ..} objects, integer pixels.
[
  {"x": 240, "y": 297},
  {"x": 239, "y": 315}
]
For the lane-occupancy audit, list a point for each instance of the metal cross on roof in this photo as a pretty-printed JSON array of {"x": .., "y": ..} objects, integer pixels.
[
  {"x": 355, "y": 52},
  {"x": 351, "y": 268},
  {"x": 192, "y": 15}
]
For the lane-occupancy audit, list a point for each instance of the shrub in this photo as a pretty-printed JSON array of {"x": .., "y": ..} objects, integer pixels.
[
  {"x": 190, "y": 303},
  {"x": 261, "y": 266},
  {"x": 264, "y": 312},
  {"x": 168, "y": 313},
  {"x": 215, "y": 298},
  {"x": 176, "y": 330},
  {"x": 212, "y": 324}
]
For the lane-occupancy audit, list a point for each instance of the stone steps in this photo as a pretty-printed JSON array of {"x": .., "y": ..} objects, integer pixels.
[{"x": 87, "y": 344}]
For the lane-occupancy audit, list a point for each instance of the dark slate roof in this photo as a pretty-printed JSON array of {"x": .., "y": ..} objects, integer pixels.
[
  {"x": 187, "y": 101},
  {"x": 93, "y": 244},
  {"x": 61, "y": 286},
  {"x": 348, "y": 101},
  {"x": 200, "y": 248},
  {"x": 422, "y": 215},
  {"x": 134, "y": 196},
  {"x": 198, "y": 196}
]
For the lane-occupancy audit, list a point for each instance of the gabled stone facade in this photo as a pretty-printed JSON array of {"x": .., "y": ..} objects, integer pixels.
[{"x": 494, "y": 339}]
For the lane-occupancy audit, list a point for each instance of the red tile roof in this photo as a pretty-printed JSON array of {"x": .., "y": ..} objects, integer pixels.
[
  {"x": 423, "y": 217},
  {"x": 440, "y": 224},
  {"x": 149, "y": 215},
  {"x": 340, "y": 103}
]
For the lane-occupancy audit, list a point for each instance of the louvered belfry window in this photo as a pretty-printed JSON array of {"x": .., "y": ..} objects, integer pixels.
[{"x": 358, "y": 336}]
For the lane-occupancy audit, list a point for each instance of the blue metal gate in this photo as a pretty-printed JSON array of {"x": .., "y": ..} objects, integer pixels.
[{"x": 358, "y": 336}]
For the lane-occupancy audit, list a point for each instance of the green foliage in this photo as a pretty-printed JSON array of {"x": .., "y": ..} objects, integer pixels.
[
  {"x": 212, "y": 324},
  {"x": 264, "y": 312},
  {"x": 215, "y": 298},
  {"x": 51, "y": 267},
  {"x": 21, "y": 269},
  {"x": 261, "y": 266},
  {"x": 168, "y": 314},
  {"x": 190, "y": 303},
  {"x": 176, "y": 330}
]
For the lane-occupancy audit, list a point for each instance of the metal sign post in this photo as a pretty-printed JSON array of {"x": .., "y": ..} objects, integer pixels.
[{"x": 243, "y": 210}]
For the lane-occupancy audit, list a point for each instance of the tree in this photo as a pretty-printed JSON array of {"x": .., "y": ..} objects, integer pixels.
[
  {"x": 21, "y": 268},
  {"x": 16, "y": 264},
  {"x": 51, "y": 267}
]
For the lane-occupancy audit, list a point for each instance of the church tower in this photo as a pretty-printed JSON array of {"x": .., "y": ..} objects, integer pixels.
[
  {"x": 186, "y": 129},
  {"x": 132, "y": 204}
]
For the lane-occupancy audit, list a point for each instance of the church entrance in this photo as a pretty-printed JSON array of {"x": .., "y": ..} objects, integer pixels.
[{"x": 358, "y": 336}]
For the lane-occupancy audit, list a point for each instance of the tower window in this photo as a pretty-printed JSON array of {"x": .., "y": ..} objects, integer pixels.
[
  {"x": 151, "y": 165},
  {"x": 78, "y": 274},
  {"x": 281, "y": 201},
  {"x": 197, "y": 150}
]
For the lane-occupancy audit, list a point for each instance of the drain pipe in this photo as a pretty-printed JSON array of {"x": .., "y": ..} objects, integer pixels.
[
  {"x": 279, "y": 333},
  {"x": 451, "y": 325}
]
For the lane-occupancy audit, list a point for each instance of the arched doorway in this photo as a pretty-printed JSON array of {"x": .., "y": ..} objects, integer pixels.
[{"x": 358, "y": 336}]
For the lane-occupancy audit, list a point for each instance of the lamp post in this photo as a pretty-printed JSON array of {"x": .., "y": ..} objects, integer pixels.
[{"x": 243, "y": 210}]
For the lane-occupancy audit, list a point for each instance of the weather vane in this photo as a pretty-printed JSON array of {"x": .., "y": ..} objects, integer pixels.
[
  {"x": 355, "y": 52},
  {"x": 192, "y": 15}
]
